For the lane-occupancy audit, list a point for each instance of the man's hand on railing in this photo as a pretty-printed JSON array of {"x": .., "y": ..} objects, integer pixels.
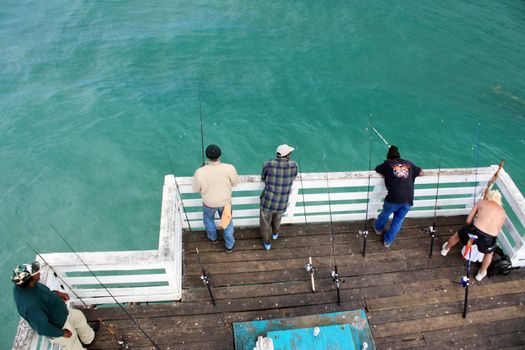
[
  {"x": 67, "y": 332},
  {"x": 63, "y": 296}
]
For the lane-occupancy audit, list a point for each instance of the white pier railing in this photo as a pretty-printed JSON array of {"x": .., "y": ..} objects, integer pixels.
[
  {"x": 156, "y": 275},
  {"x": 456, "y": 193}
]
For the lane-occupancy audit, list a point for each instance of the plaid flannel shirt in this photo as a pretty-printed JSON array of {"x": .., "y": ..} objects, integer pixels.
[{"x": 278, "y": 176}]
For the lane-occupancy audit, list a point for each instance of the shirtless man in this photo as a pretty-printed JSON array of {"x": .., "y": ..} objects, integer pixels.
[{"x": 485, "y": 221}]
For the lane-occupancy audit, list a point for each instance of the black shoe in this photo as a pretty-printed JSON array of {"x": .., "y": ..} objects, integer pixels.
[
  {"x": 215, "y": 241},
  {"x": 229, "y": 250}
]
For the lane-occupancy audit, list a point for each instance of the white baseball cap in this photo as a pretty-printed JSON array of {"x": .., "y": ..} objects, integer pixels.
[{"x": 284, "y": 150}]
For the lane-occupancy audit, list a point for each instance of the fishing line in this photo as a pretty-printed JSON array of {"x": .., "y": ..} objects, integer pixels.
[
  {"x": 106, "y": 289},
  {"x": 477, "y": 167},
  {"x": 309, "y": 266},
  {"x": 120, "y": 340},
  {"x": 334, "y": 273},
  {"x": 364, "y": 232},
  {"x": 202, "y": 127},
  {"x": 204, "y": 277}
]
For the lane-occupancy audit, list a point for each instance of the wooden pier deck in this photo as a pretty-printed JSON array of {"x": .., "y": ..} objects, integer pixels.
[{"x": 411, "y": 301}]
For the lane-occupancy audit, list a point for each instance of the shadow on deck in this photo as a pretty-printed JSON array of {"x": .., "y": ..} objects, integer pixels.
[{"x": 411, "y": 301}]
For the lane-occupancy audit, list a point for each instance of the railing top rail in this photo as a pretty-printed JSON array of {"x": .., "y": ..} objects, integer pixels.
[{"x": 187, "y": 180}]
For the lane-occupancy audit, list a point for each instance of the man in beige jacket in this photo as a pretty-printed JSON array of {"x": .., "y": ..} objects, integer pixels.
[{"x": 214, "y": 181}]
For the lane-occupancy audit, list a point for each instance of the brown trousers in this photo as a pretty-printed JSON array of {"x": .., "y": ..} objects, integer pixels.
[{"x": 269, "y": 223}]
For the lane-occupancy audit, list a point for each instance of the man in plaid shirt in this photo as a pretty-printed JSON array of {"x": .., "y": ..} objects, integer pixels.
[{"x": 278, "y": 175}]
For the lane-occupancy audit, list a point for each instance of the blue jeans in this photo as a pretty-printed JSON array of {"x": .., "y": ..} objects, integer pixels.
[
  {"x": 400, "y": 211},
  {"x": 208, "y": 215}
]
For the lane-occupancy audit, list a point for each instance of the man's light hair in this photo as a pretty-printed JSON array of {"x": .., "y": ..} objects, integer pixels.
[{"x": 495, "y": 196}]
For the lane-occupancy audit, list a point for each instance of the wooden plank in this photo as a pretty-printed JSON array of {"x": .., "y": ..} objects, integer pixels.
[
  {"x": 441, "y": 322},
  {"x": 436, "y": 297},
  {"x": 495, "y": 335},
  {"x": 404, "y": 341},
  {"x": 446, "y": 307}
]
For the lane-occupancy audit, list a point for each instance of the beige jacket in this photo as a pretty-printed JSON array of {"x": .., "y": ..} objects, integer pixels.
[{"x": 214, "y": 181}]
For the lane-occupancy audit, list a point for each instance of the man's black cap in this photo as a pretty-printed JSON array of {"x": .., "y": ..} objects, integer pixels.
[
  {"x": 393, "y": 153},
  {"x": 213, "y": 152}
]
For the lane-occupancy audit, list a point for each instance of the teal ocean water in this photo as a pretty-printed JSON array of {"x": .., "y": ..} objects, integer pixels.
[{"x": 91, "y": 90}]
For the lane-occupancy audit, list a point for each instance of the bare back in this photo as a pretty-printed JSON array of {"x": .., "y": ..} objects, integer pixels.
[{"x": 488, "y": 216}]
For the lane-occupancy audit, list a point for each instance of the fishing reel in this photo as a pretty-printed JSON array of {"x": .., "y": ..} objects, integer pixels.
[
  {"x": 336, "y": 279},
  {"x": 309, "y": 268},
  {"x": 123, "y": 345},
  {"x": 205, "y": 279},
  {"x": 363, "y": 233},
  {"x": 464, "y": 281},
  {"x": 430, "y": 230}
]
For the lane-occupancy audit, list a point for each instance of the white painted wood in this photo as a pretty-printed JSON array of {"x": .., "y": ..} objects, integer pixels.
[
  {"x": 167, "y": 218},
  {"x": 101, "y": 258},
  {"x": 100, "y": 292},
  {"x": 512, "y": 194},
  {"x": 155, "y": 265},
  {"x": 129, "y": 299},
  {"x": 108, "y": 280}
]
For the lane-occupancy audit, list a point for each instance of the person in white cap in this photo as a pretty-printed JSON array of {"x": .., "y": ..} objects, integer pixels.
[
  {"x": 278, "y": 175},
  {"x": 46, "y": 311}
]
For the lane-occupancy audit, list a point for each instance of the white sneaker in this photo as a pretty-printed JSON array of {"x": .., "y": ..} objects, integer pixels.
[
  {"x": 444, "y": 251},
  {"x": 480, "y": 276}
]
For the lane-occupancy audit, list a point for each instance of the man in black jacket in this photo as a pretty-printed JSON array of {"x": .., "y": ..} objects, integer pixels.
[{"x": 400, "y": 176}]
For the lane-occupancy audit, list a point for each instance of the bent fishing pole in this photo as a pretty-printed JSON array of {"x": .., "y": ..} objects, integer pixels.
[
  {"x": 379, "y": 134},
  {"x": 204, "y": 276},
  {"x": 431, "y": 230},
  {"x": 334, "y": 273},
  {"x": 119, "y": 339},
  {"x": 106, "y": 289},
  {"x": 364, "y": 232},
  {"x": 309, "y": 266}
]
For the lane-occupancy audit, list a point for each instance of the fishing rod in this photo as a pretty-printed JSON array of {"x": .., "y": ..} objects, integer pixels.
[
  {"x": 334, "y": 273},
  {"x": 204, "y": 276},
  {"x": 379, "y": 134},
  {"x": 474, "y": 196},
  {"x": 105, "y": 288},
  {"x": 63, "y": 282},
  {"x": 431, "y": 230},
  {"x": 465, "y": 280},
  {"x": 123, "y": 345},
  {"x": 120, "y": 340},
  {"x": 364, "y": 232},
  {"x": 309, "y": 266},
  {"x": 492, "y": 180},
  {"x": 202, "y": 131}
]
